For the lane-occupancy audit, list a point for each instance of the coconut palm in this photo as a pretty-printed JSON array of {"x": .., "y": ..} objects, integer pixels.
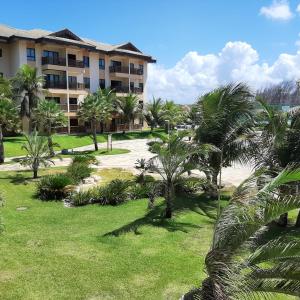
[
  {"x": 154, "y": 113},
  {"x": 8, "y": 119},
  {"x": 279, "y": 142},
  {"x": 225, "y": 121},
  {"x": 96, "y": 108},
  {"x": 243, "y": 263},
  {"x": 27, "y": 87},
  {"x": 37, "y": 152},
  {"x": 129, "y": 108},
  {"x": 170, "y": 162}
]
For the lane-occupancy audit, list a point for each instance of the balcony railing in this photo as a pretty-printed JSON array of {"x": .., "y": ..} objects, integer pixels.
[
  {"x": 58, "y": 61},
  {"x": 75, "y": 63},
  {"x": 124, "y": 69},
  {"x": 120, "y": 89},
  {"x": 136, "y": 90},
  {"x": 50, "y": 84},
  {"x": 73, "y": 107},
  {"x": 64, "y": 107},
  {"x": 76, "y": 86}
]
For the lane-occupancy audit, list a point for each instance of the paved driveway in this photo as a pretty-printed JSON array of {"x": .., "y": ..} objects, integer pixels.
[{"x": 138, "y": 149}]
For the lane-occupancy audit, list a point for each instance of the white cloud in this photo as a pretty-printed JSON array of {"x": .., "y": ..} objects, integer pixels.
[
  {"x": 278, "y": 10},
  {"x": 196, "y": 74},
  {"x": 298, "y": 8}
]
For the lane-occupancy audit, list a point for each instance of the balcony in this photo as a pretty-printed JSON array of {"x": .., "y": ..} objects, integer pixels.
[
  {"x": 51, "y": 84},
  {"x": 64, "y": 107},
  {"x": 76, "y": 86},
  {"x": 125, "y": 70},
  {"x": 75, "y": 63},
  {"x": 136, "y": 71},
  {"x": 136, "y": 90},
  {"x": 120, "y": 89},
  {"x": 74, "y": 107},
  {"x": 54, "y": 61}
]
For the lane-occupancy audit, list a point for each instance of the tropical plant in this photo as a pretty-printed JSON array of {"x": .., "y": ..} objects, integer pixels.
[
  {"x": 5, "y": 88},
  {"x": 85, "y": 158},
  {"x": 170, "y": 162},
  {"x": 77, "y": 171},
  {"x": 226, "y": 122},
  {"x": 172, "y": 114},
  {"x": 48, "y": 116},
  {"x": 245, "y": 262},
  {"x": 53, "y": 187},
  {"x": 95, "y": 109},
  {"x": 37, "y": 152},
  {"x": 27, "y": 88},
  {"x": 278, "y": 145},
  {"x": 154, "y": 113},
  {"x": 8, "y": 119},
  {"x": 129, "y": 108}
]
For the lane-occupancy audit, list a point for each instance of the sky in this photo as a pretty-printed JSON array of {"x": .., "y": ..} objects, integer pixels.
[{"x": 198, "y": 44}]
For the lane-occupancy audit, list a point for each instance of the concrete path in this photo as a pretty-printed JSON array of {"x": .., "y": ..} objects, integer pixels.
[{"x": 138, "y": 149}]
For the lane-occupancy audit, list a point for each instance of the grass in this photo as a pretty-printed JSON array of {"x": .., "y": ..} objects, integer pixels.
[
  {"x": 95, "y": 252},
  {"x": 97, "y": 153},
  {"x": 13, "y": 145}
]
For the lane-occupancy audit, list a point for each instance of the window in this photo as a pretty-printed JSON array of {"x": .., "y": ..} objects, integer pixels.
[
  {"x": 31, "y": 54},
  {"x": 86, "y": 81},
  {"x": 73, "y": 122},
  {"x": 51, "y": 54},
  {"x": 52, "y": 77},
  {"x": 0, "y": 52},
  {"x": 141, "y": 86},
  {"x": 131, "y": 66},
  {"x": 141, "y": 67},
  {"x": 86, "y": 61},
  {"x": 102, "y": 83},
  {"x": 101, "y": 64},
  {"x": 132, "y": 87},
  {"x": 73, "y": 101},
  {"x": 116, "y": 63}
]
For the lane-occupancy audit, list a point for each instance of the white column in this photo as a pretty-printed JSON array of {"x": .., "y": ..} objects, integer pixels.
[
  {"x": 68, "y": 94},
  {"x": 107, "y": 74}
]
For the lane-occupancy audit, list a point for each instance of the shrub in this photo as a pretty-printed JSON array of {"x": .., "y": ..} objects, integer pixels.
[
  {"x": 138, "y": 191},
  {"x": 82, "y": 197},
  {"x": 143, "y": 179},
  {"x": 114, "y": 193},
  {"x": 86, "y": 158},
  {"x": 78, "y": 171},
  {"x": 53, "y": 187},
  {"x": 191, "y": 185}
]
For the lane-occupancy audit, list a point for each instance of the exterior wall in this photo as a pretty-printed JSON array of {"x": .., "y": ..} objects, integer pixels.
[{"x": 5, "y": 59}]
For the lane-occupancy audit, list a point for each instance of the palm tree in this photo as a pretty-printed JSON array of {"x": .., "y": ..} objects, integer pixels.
[
  {"x": 48, "y": 116},
  {"x": 172, "y": 114},
  {"x": 170, "y": 162},
  {"x": 129, "y": 108},
  {"x": 37, "y": 152},
  {"x": 5, "y": 88},
  {"x": 96, "y": 108},
  {"x": 154, "y": 113},
  {"x": 27, "y": 86},
  {"x": 279, "y": 142},
  {"x": 8, "y": 119},
  {"x": 225, "y": 121},
  {"x": 243, "y": 263}
]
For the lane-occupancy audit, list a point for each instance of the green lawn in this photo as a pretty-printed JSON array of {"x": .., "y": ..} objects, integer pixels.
[
  {"x": 13, "y": 144},
  {"x": 95, "y": 252}
]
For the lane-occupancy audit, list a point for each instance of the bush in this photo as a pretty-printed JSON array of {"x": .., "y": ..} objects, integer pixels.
[
  {"x": 138, "y": 191},
  {"x": 53, "y": 187},
  {"x": 82, "y": 197},
  {"x": 86, "y": 158},
  {"x": 191, "y": 185},
  {"x": 114, "y": 193},
  {"x": 78, "y": 171}
]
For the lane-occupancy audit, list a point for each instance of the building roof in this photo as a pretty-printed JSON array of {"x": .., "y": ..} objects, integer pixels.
[{"x": 65, "y": 36}]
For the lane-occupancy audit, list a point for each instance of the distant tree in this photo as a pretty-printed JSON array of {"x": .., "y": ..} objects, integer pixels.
[
  {"x": 37, "y": 152},
  {"x": 9, "y": 119},
  {"x": 96, "y": 108},
  {"x": 172, "y": 114},
  {"x": 27, "y": 87},
  {"x": 129, "y": 108},
  {"x": 154, "y": 113},
  {"x": 48, "y": 117}
]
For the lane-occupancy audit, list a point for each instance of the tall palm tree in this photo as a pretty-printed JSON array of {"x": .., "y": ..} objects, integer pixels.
[
  {"x": 96, "y": 108},
  {"x": 27, "y": 87},
  {"x": 129, "y": 108},
  {"x": 243, "y": 263},
  {"x": 225, "y": 121},
  {"x": 170, "y": 162},
  {"x": 154, "y": 113},
  {"x": 8, "y": 119},
  {"x": 48, "y": 116},
  {"x": 37, "y": 152},
  {"x": 279, "y": 142}
]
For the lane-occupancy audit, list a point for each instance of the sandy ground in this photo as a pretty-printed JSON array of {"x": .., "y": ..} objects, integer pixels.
[{"x": 138, "y": 149}]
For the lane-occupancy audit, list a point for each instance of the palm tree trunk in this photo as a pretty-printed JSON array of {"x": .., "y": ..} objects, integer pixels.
[
  {"x": 169, "y": 200},
  {"x": 1, "y": 146},
  {"x": 50, "y": 142},
  {"x": 283, "y": 220},
  {"x": 151, "y": 202},
  {"x": 298, "y": 220},
  {"x": 35, "y": 173},
  {"x": 95, "y": 135}
]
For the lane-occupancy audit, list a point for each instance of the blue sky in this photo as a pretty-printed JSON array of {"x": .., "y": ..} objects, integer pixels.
[{"x": 171, "y": 30}]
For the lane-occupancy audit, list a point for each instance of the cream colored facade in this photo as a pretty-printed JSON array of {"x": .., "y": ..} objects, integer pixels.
[{"x": 73, "y": 67}]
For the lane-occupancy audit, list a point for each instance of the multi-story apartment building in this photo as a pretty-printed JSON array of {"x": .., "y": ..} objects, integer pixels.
[{"x": 73, "y": 67}]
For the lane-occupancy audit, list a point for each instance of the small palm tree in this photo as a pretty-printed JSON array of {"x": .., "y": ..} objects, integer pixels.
[
  {"x": 154, "y": 113},
  {"x": 48, "y": 116},
  {"x": 8, "y": 119},
  {"x": 170, "y": 162},
  {"x": 27, "y": 87},
  {"x": 243, "y": 263},
  {"x": 37, "y": 152},
  {"x": 96, "y": 108},
  {"x": 129, "y": 108}
]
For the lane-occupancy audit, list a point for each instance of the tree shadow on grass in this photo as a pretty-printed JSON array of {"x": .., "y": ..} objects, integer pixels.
[{"x": 155, "y": 216}]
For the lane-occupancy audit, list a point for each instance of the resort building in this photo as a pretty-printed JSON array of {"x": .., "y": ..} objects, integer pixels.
[{"x": 74, "y": 66}]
